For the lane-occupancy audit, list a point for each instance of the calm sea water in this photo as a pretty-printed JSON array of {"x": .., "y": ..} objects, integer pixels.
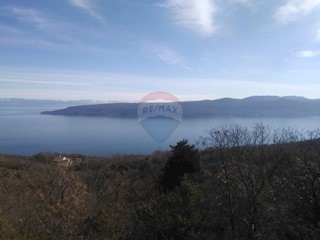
[{"x": 26, "y": 132}]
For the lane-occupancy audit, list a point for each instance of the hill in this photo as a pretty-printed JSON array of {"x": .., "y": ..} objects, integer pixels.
[{"x": 255, "y": 106}]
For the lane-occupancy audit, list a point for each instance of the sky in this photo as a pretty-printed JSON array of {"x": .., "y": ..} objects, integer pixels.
[{"x": 122, "y": 50}]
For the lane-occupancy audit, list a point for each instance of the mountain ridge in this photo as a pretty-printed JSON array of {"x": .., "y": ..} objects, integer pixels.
[{"x": 254, "y": 106}]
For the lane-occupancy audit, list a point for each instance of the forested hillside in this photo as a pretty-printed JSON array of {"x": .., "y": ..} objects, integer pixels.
[{"x": 235, "y": 183}]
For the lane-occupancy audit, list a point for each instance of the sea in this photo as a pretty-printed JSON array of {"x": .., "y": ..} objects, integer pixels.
[{"x": 24, "y": 131}]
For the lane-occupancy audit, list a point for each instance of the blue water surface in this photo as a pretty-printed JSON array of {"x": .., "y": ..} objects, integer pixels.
[{"x": 27, "y": 132}]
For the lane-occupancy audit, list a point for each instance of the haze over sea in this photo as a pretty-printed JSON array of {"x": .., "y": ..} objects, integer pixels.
[{"x": 25, "y": 131}]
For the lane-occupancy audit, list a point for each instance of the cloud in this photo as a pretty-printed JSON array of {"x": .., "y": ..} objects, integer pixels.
[
  {"x": 21, "y": 40},
  {"x": 8, "y": 29},
  {"x": 62, "y": 84},
  {"x": 167, "y": 55},
  {"x": 20, "y": 34},
  {"x": 17, "y": 80},
  {"x": 318, "y": 35},
  {"x": 53, "y": 34},
  {"x": 294, "y": 9},
  {"x": 194, "y": 14},
  {"x": 308, "y": 54},
  {"x": 85, "y": 4},
  {"x": 243, "y": 2},
  {"x": 32, "y": 16}
]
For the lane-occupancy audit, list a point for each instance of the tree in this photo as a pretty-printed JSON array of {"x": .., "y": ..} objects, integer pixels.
[{"x": 184, "y": 160}]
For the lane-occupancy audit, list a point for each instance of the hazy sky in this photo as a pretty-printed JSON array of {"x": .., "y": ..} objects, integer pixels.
[{"x": 124, "y": 49}]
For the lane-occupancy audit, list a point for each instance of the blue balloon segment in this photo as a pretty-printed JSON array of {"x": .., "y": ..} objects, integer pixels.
[{"x": 160, "y": 128}]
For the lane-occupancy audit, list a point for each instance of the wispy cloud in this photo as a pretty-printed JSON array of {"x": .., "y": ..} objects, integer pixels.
[
  {"x": 52, "y": 34},
  {"x": 32, "y": 16},
  {"x": 243, "y": 2},
  {"x": 8, "y": 29},
  {"x": 123, "y": 87},
  {"x": 318, "y": 35},
  {"x": 28, "y": 41},
  {"x": 197, "y": 15},
  {"x": 293, "y": 9},
  {"x": 21, "y": 36},
  {"x": 86, "y": 5},
  {"x": 166, "y": 55},
  {"x": 18, "y": 80},
  {"x": 308, "y": 54}
]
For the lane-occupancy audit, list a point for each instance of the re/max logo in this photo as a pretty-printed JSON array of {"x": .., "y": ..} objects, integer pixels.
[{"x": 160, "y": 109}]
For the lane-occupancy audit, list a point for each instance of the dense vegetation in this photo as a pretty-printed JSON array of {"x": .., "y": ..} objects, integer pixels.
[{"x": 236, "y": 183}]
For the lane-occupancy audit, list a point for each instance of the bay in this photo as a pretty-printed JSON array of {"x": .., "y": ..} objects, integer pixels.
[{"x": 26, "y": 132}]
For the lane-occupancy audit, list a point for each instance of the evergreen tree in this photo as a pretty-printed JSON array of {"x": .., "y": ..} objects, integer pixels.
[{"x": 184, "y": 159}]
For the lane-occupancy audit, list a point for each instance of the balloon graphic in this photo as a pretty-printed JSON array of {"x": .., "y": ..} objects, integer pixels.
[{"x": 160, "y": 113}]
